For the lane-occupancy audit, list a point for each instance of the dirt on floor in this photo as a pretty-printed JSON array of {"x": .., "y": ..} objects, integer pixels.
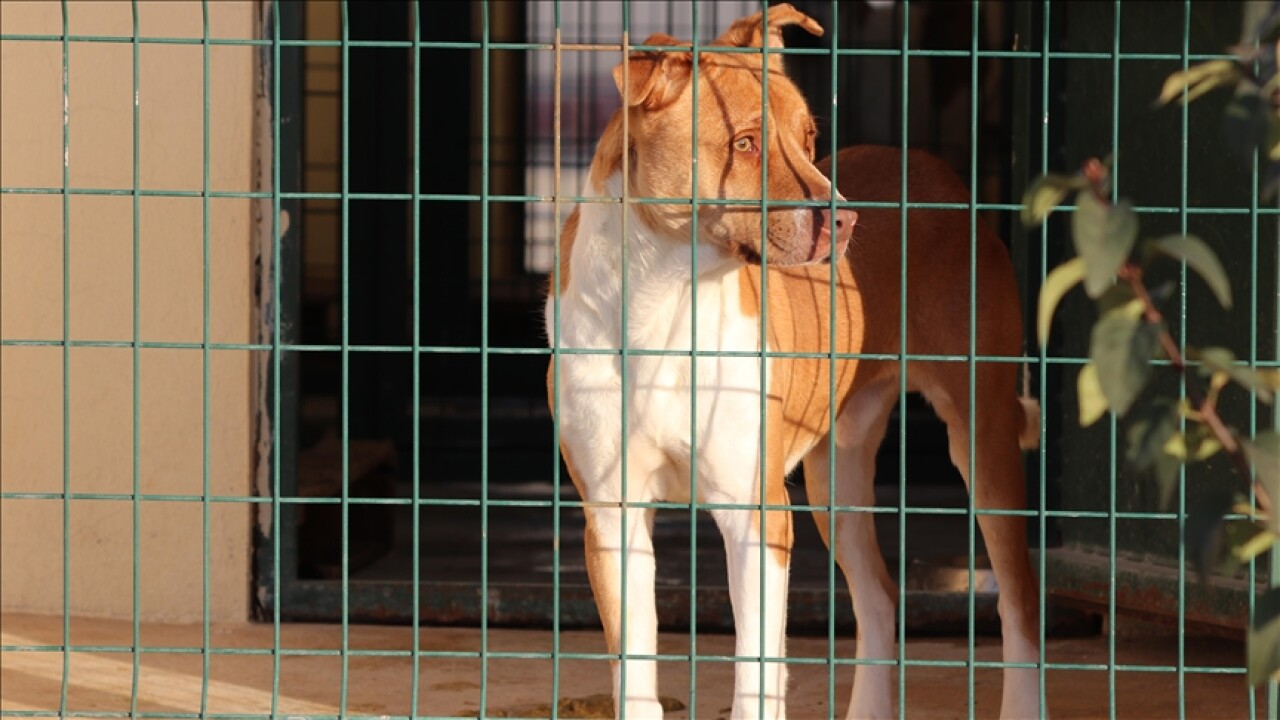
[{"x": 449, "y": 682}]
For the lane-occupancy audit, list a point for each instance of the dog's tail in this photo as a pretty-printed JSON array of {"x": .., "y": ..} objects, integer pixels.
[{"x": 1029, "y": 435}]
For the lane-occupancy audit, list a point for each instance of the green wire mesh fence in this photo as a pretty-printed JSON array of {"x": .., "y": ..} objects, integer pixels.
[{"x": 489, "y": 113}]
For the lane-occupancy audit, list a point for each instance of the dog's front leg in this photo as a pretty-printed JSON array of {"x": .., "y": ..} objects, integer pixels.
[
  {"x": 626, "y": 604},
  {"x": 625, "y": 594},
  {"x": 759, "y": 556}
]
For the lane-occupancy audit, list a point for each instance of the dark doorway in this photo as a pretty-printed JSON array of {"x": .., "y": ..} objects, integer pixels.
[{"x": 423, "y": 367}]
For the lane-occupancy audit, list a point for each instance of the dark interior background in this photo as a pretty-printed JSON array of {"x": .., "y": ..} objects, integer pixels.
[{"x": 473, "y": 282}]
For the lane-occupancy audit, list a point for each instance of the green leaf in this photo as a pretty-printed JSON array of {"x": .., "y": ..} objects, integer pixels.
[
  {"x": 1198, "y": 80},
  {"x": 1045, "y": 194},
  {"x": 1093, "y": 403},
  {"x": 1246, "y": 539},
  {"x": 1166, "y": 474},
  {"x": 1245, "y": 121},
  {"x": 1122, "y": 346},
  {"x": 1272, "y": 142},
  {"x": 1103, "y": 237},
  {"x": 1242, "y": 540},
  {"x": 1056, "y": 284},
  {"x": 1221, "y": 360},
  {"x": 1264, "y": 452},
  {"x": 1197, "y": 444},
  {"x": 1149, "y": 432},
  {"x": 1213, "y": 358},
  {"x": 1270, "y": 378},
  {"x": 1201, "y": 258},
  {"x": 1264, "y": 638},
  {"x": 1152, "y": 426},
  {"x": 1203, "y": 532}
]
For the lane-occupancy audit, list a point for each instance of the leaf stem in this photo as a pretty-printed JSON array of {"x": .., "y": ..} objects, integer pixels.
[{"x": 1207, "y": 407}]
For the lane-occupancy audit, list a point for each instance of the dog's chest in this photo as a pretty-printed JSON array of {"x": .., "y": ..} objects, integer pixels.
[
  {"x": 714, "y": 362},
  {"x": 691, "y": 352}
]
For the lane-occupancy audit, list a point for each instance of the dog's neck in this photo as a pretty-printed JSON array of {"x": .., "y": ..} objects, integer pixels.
[{"x": 659, "y": 271}]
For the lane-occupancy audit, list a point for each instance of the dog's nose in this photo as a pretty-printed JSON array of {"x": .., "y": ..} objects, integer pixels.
[
  {"x": 842, "y": 229},
  {"x": 845, "y": 220}
]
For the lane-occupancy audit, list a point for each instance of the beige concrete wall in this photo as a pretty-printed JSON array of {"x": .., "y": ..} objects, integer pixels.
[{"x": 170, "y": 409}]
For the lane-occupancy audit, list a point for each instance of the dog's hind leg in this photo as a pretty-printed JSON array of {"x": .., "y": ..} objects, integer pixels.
[
  {"x": 999, "y": 484},
  {"x": 859, "y": 430}
]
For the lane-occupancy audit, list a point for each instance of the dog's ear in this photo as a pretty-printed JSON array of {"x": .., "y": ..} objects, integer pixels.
[
  {"x": 655, "y": 77},
  {"x": 751, "y": 31}
]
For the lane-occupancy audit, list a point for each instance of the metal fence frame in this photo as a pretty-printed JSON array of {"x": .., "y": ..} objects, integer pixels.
[{"x": 271, "y": 46}]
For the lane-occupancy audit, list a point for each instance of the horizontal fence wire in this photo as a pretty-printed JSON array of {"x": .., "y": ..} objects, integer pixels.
[
  {"x": 477, "y": 350},
  {"x": 276, "y": 345},
  {"x": 611, "y": 47},
  {"x": 600, "y": 199}
]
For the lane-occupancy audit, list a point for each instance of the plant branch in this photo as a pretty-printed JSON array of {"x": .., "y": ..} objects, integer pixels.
[
  {"x": 1095, "y": 172},
  {"x": 1132, "y": 273}
]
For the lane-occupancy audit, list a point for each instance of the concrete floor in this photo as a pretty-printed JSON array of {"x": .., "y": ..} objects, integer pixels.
[{"x": 102, "y": 682}]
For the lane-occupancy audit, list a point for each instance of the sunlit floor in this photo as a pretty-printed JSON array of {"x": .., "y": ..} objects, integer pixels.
[{"x": 519, "y": 687}]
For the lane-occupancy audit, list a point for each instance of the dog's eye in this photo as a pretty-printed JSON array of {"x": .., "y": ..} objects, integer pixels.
[{"x": 745, "y": 144}]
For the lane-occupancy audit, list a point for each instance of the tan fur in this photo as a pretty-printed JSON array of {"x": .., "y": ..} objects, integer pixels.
[
  {"x": 779, "y": 536},
  {"x": 567, "y": 235},
  {"x": 749, "y": 31},
  {"x": 609, "y": 605},
  {"x": 937, "y": 312},
  {"x": 660, "y": 122},
  {"x": 937, "y": 296},
  {"x": 608, "y": 157}
]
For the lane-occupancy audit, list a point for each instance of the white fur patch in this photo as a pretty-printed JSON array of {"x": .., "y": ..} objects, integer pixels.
[{"x": 671, "y": 402}]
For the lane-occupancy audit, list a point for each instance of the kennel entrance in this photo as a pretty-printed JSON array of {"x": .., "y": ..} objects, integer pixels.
[
  {"x": 491, "y": 539},
  {"x": 420, "y": 304}
]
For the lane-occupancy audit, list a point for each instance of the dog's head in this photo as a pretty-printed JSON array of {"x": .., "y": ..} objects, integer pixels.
[{"x": 744, "y": 144}]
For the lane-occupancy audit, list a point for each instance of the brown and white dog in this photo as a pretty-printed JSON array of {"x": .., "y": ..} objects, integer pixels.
[{"x": 660, "y": 459}]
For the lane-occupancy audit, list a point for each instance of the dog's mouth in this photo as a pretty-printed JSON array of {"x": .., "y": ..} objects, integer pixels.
[
  {"x": 788, "y": 251},
  {"x": 749, "y": 256},
  {"x": 745, "y": 253}
]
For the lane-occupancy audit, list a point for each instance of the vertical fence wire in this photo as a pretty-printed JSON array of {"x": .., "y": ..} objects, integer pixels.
[
  {"x": 693, "y": 376},
  {"x": 205, "y": 490},
  {"x": 1112, "y": 465},
  {"x": 1184, "y": 138},
  {"x": 66, "y": 363},
  {"x": 1273, "y": 575},
  {"x": 277, "y": 489},
  {"x": 624, "y": 504},
  {"x": 1252, "y": 571},
  {"x": 137, "y": 302},
  {"x": 971, "y": 364},
  {"x": 902, "y": 357},
  {"x": 484, "y": 354},
  {"x": 416, "y": 358},
  {"x": 1252, "y": 568},
  {"x": 344, "y": 244},
  {"x": 1252, "y": 576},
  {"x": 1043, "y": 366},
  {"x": 833, "y": 325},
  {"x": 763, "y": 476},
  {"x": 554, "y": 292}
]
